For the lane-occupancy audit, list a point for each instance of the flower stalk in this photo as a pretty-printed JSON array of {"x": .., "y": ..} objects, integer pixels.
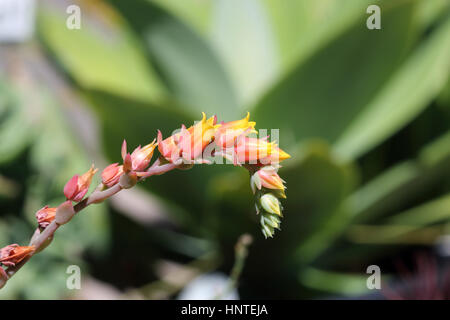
[{"x": 179, "y": 151}]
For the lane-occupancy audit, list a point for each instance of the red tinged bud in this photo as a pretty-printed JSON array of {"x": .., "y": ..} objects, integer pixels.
[
  {"x": 77, "y": 187},
  {"x": 270, "y": 179},
  {"x": 14, "y": 254},
  {"x": 111, "y": 174},
  {"x": 45, "y": 216},
  {"x": 190, "y": 143},
  {"x": 139, "y": 159}
]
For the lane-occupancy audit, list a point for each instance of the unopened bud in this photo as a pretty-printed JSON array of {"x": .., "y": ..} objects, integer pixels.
[
  {"x": 14, "y": 254},
  {"x": 271, "y": 204},
  {"x": 77, "y": 187},
  {"x": 111, "y": 174}
]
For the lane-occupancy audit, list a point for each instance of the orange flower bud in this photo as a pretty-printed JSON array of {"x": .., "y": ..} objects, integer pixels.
[
  {"x": 111, "y": 174},
  {"x": 228, "y": 132},
  {"x": 258, "y": 151},
  {"x": 169, "y": 147},
  {"x": 269, "y": 178},
  {"x": 77, "y": 187},
  {"x": 13, "y": 254},
  {"x": 190, "y": 143},
  {"x": 45, "y": 216},
  {"x": 198, "y": 137},
  {"x": 140, "y": 157}
]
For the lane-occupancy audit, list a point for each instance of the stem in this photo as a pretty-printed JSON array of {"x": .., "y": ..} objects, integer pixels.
[
  {"x": 241, "y": 253},
  {"x": 39, "y": 239},
  {"x": 99, "y": 196},
  {"x": 160, "y": 169}
]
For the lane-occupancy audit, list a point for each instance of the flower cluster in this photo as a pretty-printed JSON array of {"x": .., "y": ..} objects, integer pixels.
[
  {"x": 199, "y": 143},
  {"x": 233, "y": 140},
  {"x": 262, "y": 159}
]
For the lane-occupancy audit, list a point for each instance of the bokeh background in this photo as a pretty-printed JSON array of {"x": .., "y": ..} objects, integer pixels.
[{"x": 365, "y": 115}]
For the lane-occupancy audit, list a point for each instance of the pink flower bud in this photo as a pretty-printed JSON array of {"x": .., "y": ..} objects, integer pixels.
[
  {"x": 169, "y": 147},
  {"x": 139, "y": 159},
  {"x": 270, "y": 179},
  {"x": 77, "y": 187},
  {"x": 13, "y": 254},
  {"x": 258, "y": 151},
  {"x": 141, "y": 156},
  {"x": 45, "y": 216},
  {"x": 190, "y": 143},
  {"x": 228, "y": 132},
  {"x": 111, "y": 174}
]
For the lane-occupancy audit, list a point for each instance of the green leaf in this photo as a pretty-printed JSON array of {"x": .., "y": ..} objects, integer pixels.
[
  {"x": 188, "y": 65},
  {"x": 390, "y": 192},
  {"x": 303, "y": 27},
  {"x": 382, "y": 192},
  {"x": 15, "y": 124},
  {"x": 313, "y": 100},
  {"x": 316, "y": 186},
  {"x": 196, "y": 13},
  {"x": 402, "y": 98},
  {"x": 431, "y": 212},
  {"x": 103, "y": 54},
  {"x": 334, "y": 282},
  {"x": 242, "y": 36},
  {"x": 429, "y": 10},
  {"x": 437, "y": 151}
]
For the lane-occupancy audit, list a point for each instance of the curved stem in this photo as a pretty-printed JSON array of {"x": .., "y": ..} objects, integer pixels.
[
  {"x": 241, "y": 253},
  {"x": 40, "y": 238},
  {"x": 160, "y": 169}
]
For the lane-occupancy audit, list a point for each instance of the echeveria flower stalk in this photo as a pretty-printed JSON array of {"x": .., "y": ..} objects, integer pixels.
[{"x": 179, "y": 151}]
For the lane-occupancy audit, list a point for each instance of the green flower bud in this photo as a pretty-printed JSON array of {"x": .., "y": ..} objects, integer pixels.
[{"x": 271, "y": 204}]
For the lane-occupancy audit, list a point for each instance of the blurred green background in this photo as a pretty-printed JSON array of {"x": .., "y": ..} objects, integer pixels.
[{"x": 365, "y": 115}]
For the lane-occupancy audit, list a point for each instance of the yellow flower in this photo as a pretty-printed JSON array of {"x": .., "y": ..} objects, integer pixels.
[
  {"x": 258, "y": 151},
  {"x": 188, "y": 143},
  {"x": 228, "y": 132}
]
